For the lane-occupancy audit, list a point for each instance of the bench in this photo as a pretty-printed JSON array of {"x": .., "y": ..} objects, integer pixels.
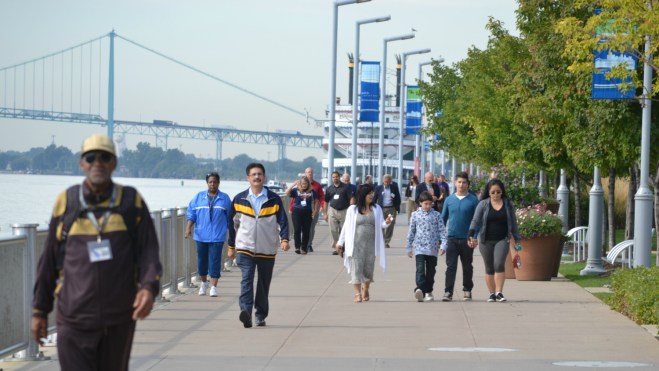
[
  {"x": 620, "y": 248},
  {"x": 578, "y": 238}
]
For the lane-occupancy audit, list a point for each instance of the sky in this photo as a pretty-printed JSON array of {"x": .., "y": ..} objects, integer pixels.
[{"x": 278, "y": 49}]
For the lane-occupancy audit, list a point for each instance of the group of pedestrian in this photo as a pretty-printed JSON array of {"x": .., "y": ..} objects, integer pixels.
[{"x": 102, "y": 229}]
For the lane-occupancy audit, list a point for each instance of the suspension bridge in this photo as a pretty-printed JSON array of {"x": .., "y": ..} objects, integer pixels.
[{"x": 68, "y": 85}]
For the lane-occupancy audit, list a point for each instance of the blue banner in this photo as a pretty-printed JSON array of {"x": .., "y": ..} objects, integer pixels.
[
  {"x": 413, "y": 115},
  {"x": 605, "y": 60},
  {"x": 369, "y": 92}
]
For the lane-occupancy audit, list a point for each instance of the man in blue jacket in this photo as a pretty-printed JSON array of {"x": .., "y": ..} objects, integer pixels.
[
  {"x": 208, "y": 212},
  {"x": 259, "y": 228},
  {"x": 458, "y": 211}
]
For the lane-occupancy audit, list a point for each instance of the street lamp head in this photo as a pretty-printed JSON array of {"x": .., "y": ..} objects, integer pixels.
[
  {"x": 346, "y": 2},
  {"x": 373, "y": 20},
  {"x": 401, "y": 37},
  {"x": 383, "y": 19},
  {"x": 420, "y": 51}
]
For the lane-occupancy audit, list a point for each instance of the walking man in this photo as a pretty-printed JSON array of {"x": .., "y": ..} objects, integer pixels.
[
  {"x": 101, "y": 261},
  {"x": 458, "y": 211},
  {"x": 259, "y": 229},
  {"x": 387, "y": 195},
  {"x": 432, "y": 188},
  {"x": 338, "y": 197},
  {"x": 321, "y": 196}
]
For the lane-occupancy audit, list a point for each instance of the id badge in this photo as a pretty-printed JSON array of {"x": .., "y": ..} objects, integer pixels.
[
  {"x": 303, "y": 202},
  {"x": 99, "y": 251},
  {"x": 336, "y": 197}
]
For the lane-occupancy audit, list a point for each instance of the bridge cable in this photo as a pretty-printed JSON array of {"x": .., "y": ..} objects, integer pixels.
[{"x": 217, "y": 78}]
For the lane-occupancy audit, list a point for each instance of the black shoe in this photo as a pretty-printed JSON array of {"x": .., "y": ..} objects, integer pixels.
[
  {"x": 297, "y": 251},
  {"x": 310, "y": 249},
  {"x": 500, "y": 297},
  {"x": 335, "y": 252},
  {"x": 245, "y": 318},
  {"x": 447, "y": 296},
  {"x": 260, "y": 322},
  {"x": 492, "y": 298}
]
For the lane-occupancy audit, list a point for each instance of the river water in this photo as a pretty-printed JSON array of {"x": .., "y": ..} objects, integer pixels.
[{"x": 29, "y": 198}]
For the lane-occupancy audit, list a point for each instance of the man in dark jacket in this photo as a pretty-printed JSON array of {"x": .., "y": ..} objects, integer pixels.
[
  {"x": 429, "y": 185},
  {"x": 104, "y": 267},
  {"x": 387, "y": 195}
]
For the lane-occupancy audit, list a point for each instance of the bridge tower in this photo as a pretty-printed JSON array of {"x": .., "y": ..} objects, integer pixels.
[{"x": 111, "y": 88}]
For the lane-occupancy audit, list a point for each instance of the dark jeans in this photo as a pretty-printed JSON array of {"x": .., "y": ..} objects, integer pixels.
[
  {"x": 425, "y": 272},
  {"x": 247, "y": 300},
  {"x": 457, "y": 247},
  {"x": 302, "y": 225},
  {"x": 101, "y": 349}
]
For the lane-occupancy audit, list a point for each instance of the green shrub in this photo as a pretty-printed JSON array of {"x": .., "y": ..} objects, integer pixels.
[{"x": 636, "y": 294}]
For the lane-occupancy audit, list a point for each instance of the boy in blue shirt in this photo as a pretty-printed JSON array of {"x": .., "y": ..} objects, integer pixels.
[{"x": 426, "y": 239}]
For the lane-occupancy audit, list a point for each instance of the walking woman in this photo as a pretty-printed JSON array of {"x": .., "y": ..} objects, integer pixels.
[
  {"x": 305, "y": 208},
  {"x": 208, "y": 213},
  {"x": 410, "y": 193},
  {"x": 495, "y": 222},
  {"x": 363, "y": 240}
]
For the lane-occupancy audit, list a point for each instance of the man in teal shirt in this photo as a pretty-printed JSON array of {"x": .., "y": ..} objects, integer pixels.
[{"x": 458, "y": 211}]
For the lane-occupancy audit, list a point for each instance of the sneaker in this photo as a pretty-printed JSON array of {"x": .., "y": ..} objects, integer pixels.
[
  {"x": 297, "y": 251},
  {"x": 335, "y": 252},
  {"x": 203, "y": 288},
  {"x": 260, "y": 322},
  {"x": 418, "y": 295},
  {"x": 467, "y": 296},
  {"x": 213, "y": 293},
  {"x": 227, "y": 266},
  {"x": 447, "y": 296},
  {"x": 310, "y": 249},
  {"x": 429, "y": 297},
  {"x": 245, "y": 318},
  {"x": 500, "y": 297},
  {"x": 492, "y": 298}
]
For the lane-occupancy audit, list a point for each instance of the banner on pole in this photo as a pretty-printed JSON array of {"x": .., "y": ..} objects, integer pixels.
[
  {"x": 413, "y": 111},
  {"x": 369, "y": 93},
  {"x": 605, "y": 60}
]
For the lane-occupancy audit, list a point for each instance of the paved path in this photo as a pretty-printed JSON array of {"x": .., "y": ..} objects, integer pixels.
[{"x": 315, "y": 325}]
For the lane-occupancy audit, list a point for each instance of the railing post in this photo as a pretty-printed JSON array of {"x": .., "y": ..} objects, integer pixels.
[
  {"x": 32, "y": 352},
  {"x": 187, "y": 271},
  {"x": 156, "y": 215},
  {"x": 173, "y": 279}
]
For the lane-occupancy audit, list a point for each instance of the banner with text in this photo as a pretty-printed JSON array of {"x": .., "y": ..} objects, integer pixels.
[
  {"x": 413, "y": 112},
  {"x": 369, "y": 93}
]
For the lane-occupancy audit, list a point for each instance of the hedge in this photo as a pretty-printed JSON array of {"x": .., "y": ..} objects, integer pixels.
[{"x": 636, "y": 294}]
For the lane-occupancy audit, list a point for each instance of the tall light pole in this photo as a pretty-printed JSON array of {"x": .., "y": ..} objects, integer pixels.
[
  {"x": 401, "y": 126},
  {"x": 355, "y": 89},
  {"x": 417, "y": 140},
  {"x": 383, "y": 93},
  {"x": 332, "y": 103}
]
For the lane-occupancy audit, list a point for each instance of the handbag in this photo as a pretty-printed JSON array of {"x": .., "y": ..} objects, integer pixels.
[{"x": 517, "y": 259}]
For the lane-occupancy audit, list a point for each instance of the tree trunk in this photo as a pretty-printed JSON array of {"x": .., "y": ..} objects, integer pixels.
[
  {"x": 629, "y": 223},
  {"x": 612, "y": 208},
  {"x": 656, "y": 211},
  {"x": 577, "y": 200}
]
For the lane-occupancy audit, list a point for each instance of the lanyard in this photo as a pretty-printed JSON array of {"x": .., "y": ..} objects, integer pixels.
[
  {"x": 211, "y": 201},
  {"x": 92, "y": 217}
]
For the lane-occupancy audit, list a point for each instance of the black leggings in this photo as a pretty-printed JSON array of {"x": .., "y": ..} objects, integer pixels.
[{"x": 494, "y": 255}]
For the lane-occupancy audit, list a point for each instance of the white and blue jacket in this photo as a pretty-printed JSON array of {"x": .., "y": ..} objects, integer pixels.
[
  {"x": 426, "y": 233},
  {"x": 210, "y": 218}
]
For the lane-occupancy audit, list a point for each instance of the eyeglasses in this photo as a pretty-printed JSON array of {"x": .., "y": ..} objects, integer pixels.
[
  {"x": 495, "y": 192},
  {"x": 104, "y": 157}
]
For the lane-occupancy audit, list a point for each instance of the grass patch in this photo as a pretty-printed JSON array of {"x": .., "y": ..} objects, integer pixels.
[{"x": 573, "y": 273}]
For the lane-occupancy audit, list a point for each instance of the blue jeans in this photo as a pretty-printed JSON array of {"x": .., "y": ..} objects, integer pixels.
[
  {"x": 457, "y": 247},
  {"x": 425, "y": 272},
  {"x": 209, "y": 257},
  {"x": 247, "y": 300}
]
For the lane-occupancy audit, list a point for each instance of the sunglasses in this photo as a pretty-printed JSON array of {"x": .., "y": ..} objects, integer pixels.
[{"x": 104, "y": 157}]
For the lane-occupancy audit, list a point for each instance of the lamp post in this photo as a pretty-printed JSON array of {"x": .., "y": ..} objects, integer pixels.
[
  {"x": 417, "y": 140},
  {"x": 332, "y": 103},
  {"x": 355, "y": 89},
  {"x": 401, "y": 125},
  {"x": 382, "y": 98}
]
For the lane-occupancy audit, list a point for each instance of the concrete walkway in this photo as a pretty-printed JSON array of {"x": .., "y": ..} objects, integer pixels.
[{"x": 314, "y": 324}]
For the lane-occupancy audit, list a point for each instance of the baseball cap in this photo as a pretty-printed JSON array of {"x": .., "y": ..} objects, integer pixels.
[{"x": 98, "y": 142}]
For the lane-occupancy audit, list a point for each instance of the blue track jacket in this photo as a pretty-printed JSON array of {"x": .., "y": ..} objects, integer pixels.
[{"x": 207, "y": 229}]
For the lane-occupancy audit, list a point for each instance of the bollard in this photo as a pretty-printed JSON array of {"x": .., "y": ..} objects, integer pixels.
[
  {"x": 594, "y": 261},
  {"x": 32, "y": 352}
]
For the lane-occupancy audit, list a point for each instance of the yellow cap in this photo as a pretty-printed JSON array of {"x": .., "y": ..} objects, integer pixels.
[{"x": 98, "y": 142}]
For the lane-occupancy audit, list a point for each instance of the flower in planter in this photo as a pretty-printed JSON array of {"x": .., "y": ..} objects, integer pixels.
[{"x": 536, "y": 220}]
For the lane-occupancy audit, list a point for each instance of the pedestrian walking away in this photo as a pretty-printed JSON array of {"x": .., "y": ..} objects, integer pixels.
[
  {"x": 207, "y": 220},
  {"x": 495, "y": 224},
  {"x": 426, "y": 238},
  {"x": 308, "y": 172},
  {"x": 100, "y": 260},
  {"x": 363, "y": 240},
  {"x": 410, "y": 195},
  {"x": 305, "y": 207},
  {"x": 457, "y": 213},
  {"x": 387, "y": 196},
  {"x": 259, "y": 228},
  {"x": 338, "y": 197}
]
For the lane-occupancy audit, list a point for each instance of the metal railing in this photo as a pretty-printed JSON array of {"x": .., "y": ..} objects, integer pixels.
[{"x": 20, "y": 253}]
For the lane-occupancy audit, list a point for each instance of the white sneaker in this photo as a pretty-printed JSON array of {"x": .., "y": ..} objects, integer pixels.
[
  {"x": 429, "y": 297},
  {"x": 203, "y": 288},
  {"x": 213, "y": 292},
  {"x": 418, "y": 295}
]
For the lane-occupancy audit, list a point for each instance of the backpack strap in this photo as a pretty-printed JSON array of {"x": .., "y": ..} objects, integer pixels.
[{"x": 71, "y": 213}]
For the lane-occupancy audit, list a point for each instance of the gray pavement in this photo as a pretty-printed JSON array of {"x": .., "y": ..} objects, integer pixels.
[{"x": 314, "y": 324}]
